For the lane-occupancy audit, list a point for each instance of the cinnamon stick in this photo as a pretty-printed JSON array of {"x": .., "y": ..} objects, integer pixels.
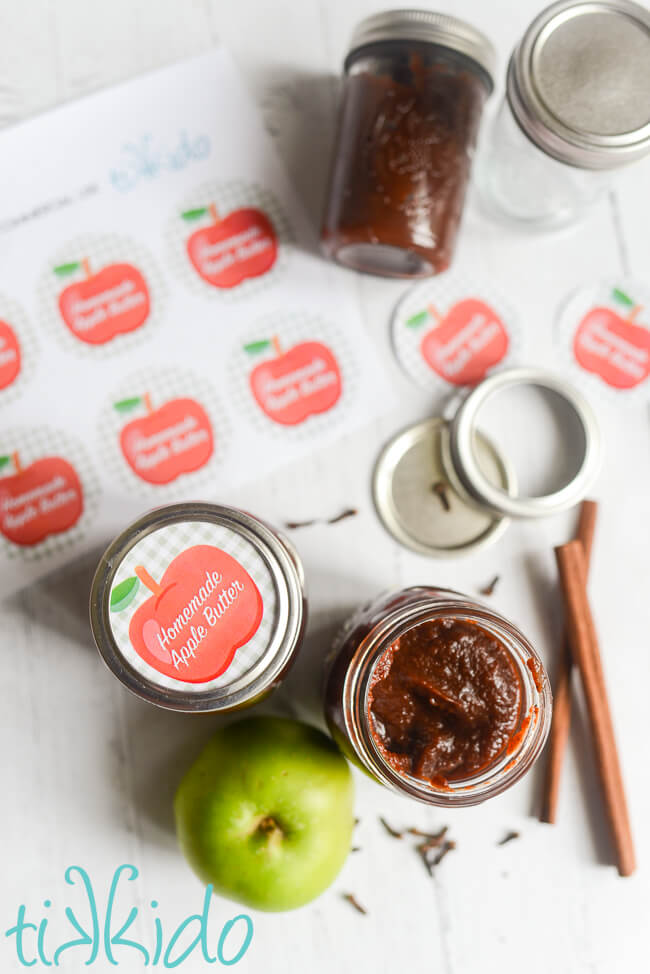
[
  {"x": 586, "y": 656},
  {"x": 559, "y": 734}
]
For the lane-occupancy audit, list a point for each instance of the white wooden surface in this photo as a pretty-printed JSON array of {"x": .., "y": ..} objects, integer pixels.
[{"x": 89, "y": 771}]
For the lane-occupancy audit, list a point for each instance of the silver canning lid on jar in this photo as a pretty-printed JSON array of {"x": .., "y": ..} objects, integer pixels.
[
  {"x": 427, "y": 27},
  {"x": 579, "y": 82},
  {"x": 198, "y": 607}
]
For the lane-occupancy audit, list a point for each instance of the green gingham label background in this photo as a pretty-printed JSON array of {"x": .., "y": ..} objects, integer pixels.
[
  {"x": 100, "y": 251},
  {"x": 226, "y": 197},
  {"x": 163, "y": 385},
  {"x": 34, "y": 444},
  {"x": 14, "y": 316},
  {"x": 291, "y": 328},
  {"x": 156, "y": 551},
  {"x": 443, "y": 292},
  {"x": 570, "y": 314}
]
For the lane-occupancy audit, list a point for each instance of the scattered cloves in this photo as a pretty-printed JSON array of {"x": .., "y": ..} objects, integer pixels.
[
  {"x": 490, "y": 587},
  {"x": 353, "y": 901},
  {"x": 347, "y": 512},
  {"x": 508, "y": 837}
]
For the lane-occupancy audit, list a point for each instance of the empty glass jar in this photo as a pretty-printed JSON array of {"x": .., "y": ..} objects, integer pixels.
[{"x": 576, "y": 109}]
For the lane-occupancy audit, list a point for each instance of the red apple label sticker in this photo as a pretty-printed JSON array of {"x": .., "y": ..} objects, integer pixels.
[
  {"x": 38, "y": 500},
  {"x": 612, "y": 345},
  {"x": 205, "y": 607},
  {"x": 167, "y": 442},
  {"x": 10, "y": 356},
  {"x": 465, "y": 343},
  {"x": 301, "y": 382},
  {"x": 232, "y": 248},
  {"x": 110, "y": 302}
]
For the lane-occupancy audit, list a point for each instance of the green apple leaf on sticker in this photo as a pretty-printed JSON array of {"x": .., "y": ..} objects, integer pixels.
[
  {"x": 622, "y": 297},
  {"x": 126, "y": 405},
  {"x": 124, "y": 593},
  {"x": 4, "y": 461},
  {"x": 254, "y": 347},
  {"x": 64, "y": 269},
  {"x": 417, "y": 319},
  {"x": 194, "y": 214}
]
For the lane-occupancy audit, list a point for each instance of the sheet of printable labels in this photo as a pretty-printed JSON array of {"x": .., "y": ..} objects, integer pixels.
[{"x": 164, "y": 332}]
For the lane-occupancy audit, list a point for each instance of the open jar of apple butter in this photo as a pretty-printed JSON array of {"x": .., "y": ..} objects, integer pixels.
[
  {"x": 437, "y": 697},
  {"x": 414, "y": 89}
]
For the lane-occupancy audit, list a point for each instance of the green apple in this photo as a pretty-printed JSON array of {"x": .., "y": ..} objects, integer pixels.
[{"x": 265, "y": 813}]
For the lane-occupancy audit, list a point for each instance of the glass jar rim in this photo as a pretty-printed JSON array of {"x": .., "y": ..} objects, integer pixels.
[
  {"x": 428, "y": 27},
  {"x": 534, "y": 720}
]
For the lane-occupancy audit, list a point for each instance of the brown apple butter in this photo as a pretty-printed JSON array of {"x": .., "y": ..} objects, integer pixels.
[
  {"x": 444, "y": 701},
  {"x": 409, "y": 119}
]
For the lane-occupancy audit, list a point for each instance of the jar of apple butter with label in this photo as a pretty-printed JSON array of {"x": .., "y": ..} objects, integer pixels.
[
  {"x": 199, "y": 607},
  {"x": 414, "y": 90},
  {"x": 437, "y": 697}
]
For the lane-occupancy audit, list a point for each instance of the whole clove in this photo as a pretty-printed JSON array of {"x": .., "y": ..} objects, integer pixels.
[
  {"x": 508, "y": 837},
  {"x": 490, "y": 587},
  {"x": 391, "y": 831},
  {"x": 440, "y": 489},
  {"x": 353, "y": 901}
]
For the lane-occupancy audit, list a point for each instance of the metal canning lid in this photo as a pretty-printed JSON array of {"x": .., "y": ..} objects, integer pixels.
[
  {"x": 422, "y": 503},
  {"x": 198, "y": 607},
  {"x": 579, "y": 82},
  {"x": 466, "y": 459},
  {"x": 429, "y": 27}
]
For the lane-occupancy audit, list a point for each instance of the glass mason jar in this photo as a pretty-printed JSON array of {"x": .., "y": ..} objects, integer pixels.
[
  {"x": 468, "y": 705},
  {"x": 415, "y": 86},
  {"x": 198, "y": 607},
  {"x": 576, "y": 109}
]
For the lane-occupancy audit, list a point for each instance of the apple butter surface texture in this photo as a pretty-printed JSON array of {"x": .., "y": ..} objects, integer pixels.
[{"x": 445, "y": 701}]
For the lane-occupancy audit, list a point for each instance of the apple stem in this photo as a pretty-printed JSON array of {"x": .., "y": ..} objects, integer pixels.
[
  {"x": 435, "y": 314},
  {"x": 16, "y": 461},
  {"x": 212, "y": 210},
  {"x": 85, "y": 266},
  {"x": 147, "y": 580},
  {"x": 270, "y": 828},
  {"x": 277, "y": 347},
  {"x": 146, "y": 399}
]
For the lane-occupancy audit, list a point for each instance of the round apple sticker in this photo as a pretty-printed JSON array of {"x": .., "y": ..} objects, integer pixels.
[
  {"x": 10, "y": 355},
  {"x": 38, "y": 499},
  {"x": 452, "y": 332},
  {"x": 111, "y": 301},
  {"x": 227, "y": 240},
  {"x": 165, "y": 442},
  {"x": 231, "y": 248},
  {"x": 203, "y": 609},
  {"x": 100, "y": 294},
  {"x": 613, "y": 343},
  {"x": 295, "y": 383}
]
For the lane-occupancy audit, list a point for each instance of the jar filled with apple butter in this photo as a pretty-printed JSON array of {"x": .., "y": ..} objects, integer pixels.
[
  {"x": 414, "y": 90},
  {"x": 199, "y": 607},
  {"x": 437, "y": 697}
]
